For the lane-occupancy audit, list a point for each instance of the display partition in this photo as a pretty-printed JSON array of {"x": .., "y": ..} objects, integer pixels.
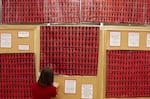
[
  {"x": 124, "y": 62},
  {"x": 19, "y": 60}
]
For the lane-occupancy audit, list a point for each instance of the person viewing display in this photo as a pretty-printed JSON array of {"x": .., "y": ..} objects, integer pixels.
[{"x": 45, "y": 87}]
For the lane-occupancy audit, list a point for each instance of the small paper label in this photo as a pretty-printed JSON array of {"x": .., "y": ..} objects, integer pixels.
[
  {"x": 5, "y": 40},
  {"x": 23, "y": 34},
  {"x": 70, "y": 86},
  {"x": 23, "y": 47}
]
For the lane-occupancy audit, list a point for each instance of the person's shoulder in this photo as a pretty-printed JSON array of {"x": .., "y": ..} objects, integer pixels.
[
  {"x": 34, "y": 84},
  {"x": 52, "y": 87}
]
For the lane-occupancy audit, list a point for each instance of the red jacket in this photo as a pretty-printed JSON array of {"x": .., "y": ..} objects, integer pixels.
[{"x": 39, "y": 92}]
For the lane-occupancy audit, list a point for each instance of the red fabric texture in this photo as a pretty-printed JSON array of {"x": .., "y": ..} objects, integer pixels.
[{"x": 39, "y": 92}]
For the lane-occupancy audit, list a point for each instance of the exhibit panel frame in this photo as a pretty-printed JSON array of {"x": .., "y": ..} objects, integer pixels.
[{"x": 122, "y": 41}]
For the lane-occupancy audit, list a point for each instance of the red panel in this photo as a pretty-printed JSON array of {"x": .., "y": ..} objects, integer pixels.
[
  {"x": 68, "y": 48},
  {"x": 17, "y": 75},
  {"x": 127, "y": 74}
]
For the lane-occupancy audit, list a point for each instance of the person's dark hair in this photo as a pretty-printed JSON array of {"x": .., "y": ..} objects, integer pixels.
[{"x": 47, "y": 77}]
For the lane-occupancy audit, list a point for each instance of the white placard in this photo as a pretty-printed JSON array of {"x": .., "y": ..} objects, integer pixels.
[
  {"x": 133, "y": 39},
  {"x": 148, "y": 39},
  {"x": 114, "y": 38},
  {"x": 23, "y": 47},
  {"x": 87, "y": 91},
  {"x": 70, "y": 86},
  {"x": 23, "y": 34},
  {"x": 5, "y": 40}
]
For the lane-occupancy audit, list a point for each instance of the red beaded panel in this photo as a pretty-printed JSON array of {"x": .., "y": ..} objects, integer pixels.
[
  {"x": 17, "y": 73},
  {"x": 70, "y": 50},
  {"x": 128, "y": 73}
]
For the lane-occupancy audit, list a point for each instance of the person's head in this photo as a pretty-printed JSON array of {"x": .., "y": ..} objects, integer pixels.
[{"x": 46, "y": 77}]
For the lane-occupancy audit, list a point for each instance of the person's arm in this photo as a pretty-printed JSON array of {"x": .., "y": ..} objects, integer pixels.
[{"x": 55, "y": 89}]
